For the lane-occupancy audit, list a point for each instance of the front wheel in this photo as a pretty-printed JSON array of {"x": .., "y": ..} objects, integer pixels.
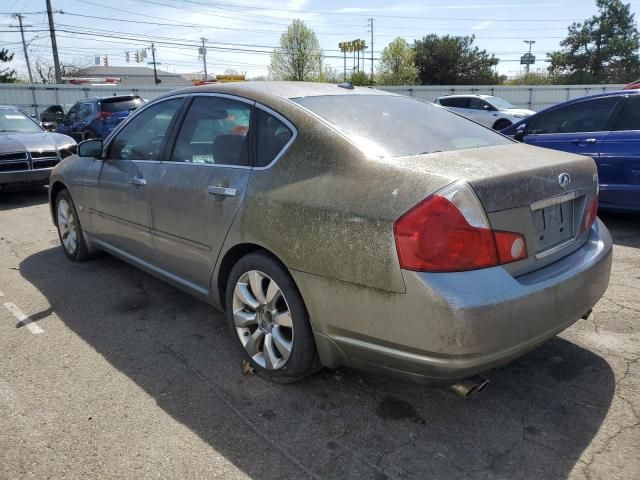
[
  {"x": 501, "y": 124},
  {"x": 267, "y": 315},
  {"x": 69, "y": 228}
]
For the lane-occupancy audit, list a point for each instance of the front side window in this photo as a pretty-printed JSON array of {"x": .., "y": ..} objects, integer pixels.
[
  {"x": 395, "y": 126},
  {"x": 12, "y": 120},
  {"x": 630, "y": 117},
  {"x": 214, "y": 132},
  {"x": 478, "y": 104},
  {"x": 272, "y": 135},
  {"x": 586, "y": 116},
  {"x": 72, "y": 116},
  {"x": 143, "y": 137},
  {"x": 120, "y": 105}
]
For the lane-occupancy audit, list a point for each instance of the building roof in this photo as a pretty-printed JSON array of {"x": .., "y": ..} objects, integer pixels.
[{"x": 134, "y": 75}]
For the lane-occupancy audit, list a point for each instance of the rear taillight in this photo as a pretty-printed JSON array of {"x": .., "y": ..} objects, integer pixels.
[
  {"x": 449, "y": 232},
  {"x": 590, "y": 214},
  {"x": 104, "y": 115}
]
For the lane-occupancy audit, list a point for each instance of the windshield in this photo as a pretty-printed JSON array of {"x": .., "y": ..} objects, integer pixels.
[
  {"x": 15, "y": 121},
  {"x": 395, "y": 126},
  {"x": 499, "y": 103}
]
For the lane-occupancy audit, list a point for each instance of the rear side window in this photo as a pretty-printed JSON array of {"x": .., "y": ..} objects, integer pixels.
[
  {"x": 214, "y": 132},
  {"x": 455, "y": 102},
  {"x": 113, "y": 106},
  {"x": 630, "y": 117},
  {"x": 272, "y": 136},
  {"x": 395, "y": 126},
  {"x": 587, "y": 116},
  {"x": 478, "y": 104}
]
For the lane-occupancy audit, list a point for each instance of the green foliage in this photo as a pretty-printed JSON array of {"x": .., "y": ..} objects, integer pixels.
[
  {"x": 536, "y": 79},
  {"x": 329, "y": 75},
  {"x": 360, "y": 79},
  {"x": 604, "y": 48},
  {"x": 450, "y": 60},
  {"x": 397, "y": 64},
  {"x": 7, "y": 75},
  {"x": 299, "y": 56}
]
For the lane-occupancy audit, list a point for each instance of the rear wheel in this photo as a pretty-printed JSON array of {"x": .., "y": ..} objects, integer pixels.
[
  {"x": 267, "y": 315},
  {"x": 69, "y": 228},
  {"x": 501, "y": 124}
]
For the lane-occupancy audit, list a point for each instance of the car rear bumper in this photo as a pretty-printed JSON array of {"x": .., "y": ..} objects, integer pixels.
[
  {"x": 448, "y": 326},
  {"x": 40, "y": 175}
]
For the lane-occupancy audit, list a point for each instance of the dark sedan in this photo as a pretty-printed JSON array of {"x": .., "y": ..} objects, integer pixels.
[
  {"x": 28, "y": 152},
  {"x": 605, "y": 127}
]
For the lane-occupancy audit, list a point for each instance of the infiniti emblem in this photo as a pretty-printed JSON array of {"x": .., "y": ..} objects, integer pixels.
[{"x": 564, "y": 179}]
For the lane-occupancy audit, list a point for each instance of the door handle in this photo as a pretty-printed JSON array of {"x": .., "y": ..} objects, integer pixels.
[
  {"x": 139, "y": 181},
  {"x": 227, "y": 192},
  {"x": 588, "y": 141}
]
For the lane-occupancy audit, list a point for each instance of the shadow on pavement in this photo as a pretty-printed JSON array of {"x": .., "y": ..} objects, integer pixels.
[
  {"x": 533, "y": 421},
  {"x": 624, "y": 228},
  {"x": 10, "y": 199}
]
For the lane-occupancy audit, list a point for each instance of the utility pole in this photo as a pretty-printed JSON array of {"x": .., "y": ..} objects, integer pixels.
[
  {"x": 54, "y": 44},
  {"x": 24, "y": 45},
  {"x": 530, "y": 42},
  {"x": 371, "y": 28},
  {"x": 153, "y": 57},
  {"x": 204, "y": 59}
]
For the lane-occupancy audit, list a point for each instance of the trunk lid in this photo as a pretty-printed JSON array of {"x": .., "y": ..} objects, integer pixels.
[{"x": 540, "y": 193}]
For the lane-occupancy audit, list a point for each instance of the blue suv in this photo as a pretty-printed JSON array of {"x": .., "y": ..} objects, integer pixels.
[
  {"x": 605, "y": 127},
  {"x": 96, "y": 117}
]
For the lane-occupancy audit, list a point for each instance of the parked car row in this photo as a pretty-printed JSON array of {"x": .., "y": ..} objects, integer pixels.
[{"x": 343, "y": 226}]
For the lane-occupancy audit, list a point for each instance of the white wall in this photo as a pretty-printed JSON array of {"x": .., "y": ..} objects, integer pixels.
[{"x": 34, "y": 98}]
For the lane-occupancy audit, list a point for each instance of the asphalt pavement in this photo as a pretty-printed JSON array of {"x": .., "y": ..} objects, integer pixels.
[{"x": 107, "y": 372}]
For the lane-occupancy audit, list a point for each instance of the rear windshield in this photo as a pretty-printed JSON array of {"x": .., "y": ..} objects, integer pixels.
[
  {"x": 395, "y": 126},
  {"x": 113, "y": 106}
]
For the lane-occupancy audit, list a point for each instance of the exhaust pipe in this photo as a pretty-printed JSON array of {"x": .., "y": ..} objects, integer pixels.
[{"x": 469, "y": 386}]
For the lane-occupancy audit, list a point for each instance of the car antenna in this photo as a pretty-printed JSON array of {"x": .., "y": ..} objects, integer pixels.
[{"x": 347, "y": 85}]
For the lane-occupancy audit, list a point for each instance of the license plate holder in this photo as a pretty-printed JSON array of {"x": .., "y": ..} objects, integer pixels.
[{"x": 553, "y": 224}]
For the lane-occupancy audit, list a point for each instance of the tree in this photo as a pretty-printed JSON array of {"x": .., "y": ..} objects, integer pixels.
[
  {"x": 452, "y": 60},
  {"x": 360, "y": 79},
  {"x": 299, "y": 56},
  {"x": 397, "y": 64},
  {"x": 46, "y": 71},
  {"x": 7, "y": 75},
  {"x": 604, "y": 48}
]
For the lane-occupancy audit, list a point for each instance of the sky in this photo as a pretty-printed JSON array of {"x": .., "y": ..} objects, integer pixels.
[{"x": 240, "y": 34}]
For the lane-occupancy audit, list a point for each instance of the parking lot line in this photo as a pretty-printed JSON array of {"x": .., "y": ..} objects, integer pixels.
[{"x": 23, "y": 319}]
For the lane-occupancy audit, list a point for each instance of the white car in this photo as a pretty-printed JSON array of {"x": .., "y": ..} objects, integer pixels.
[{"x": 488, "y": 110}]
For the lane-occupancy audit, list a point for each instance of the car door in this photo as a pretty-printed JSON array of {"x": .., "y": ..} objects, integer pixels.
[
  {"x": 121, "y": 213},
  {"x": 619, "y": 162},
  {"x": 459, "y": 105},
  {"x": 201, "y": 186},
  {"x": 481, "y": 111},
  {"x": 576, "y": 128}
]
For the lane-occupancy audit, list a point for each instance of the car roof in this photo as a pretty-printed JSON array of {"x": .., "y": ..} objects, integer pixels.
[
  {"x": 467, "y": 95},
  {"x": 9, "y": 107},
  {"x": 282, "y": 89},
  {"x": 620, "y": 93},
  {"x": 107, "y": 97}
]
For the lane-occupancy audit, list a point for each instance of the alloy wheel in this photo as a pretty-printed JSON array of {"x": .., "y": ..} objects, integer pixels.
[
  {"x": 263, "y": 320},
  {"x": 67, "y": 227}
]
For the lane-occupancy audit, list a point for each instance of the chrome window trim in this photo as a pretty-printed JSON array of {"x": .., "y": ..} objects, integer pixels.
[
  {"x": 288, "y": 124},
  {"x": 224, "y": 95}
]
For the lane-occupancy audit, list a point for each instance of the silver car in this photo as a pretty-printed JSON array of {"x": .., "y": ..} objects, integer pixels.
[
  {"x": 488, "y": 110},
  {"x": 28, "y": 152},
  {"x": 343, "y": 226}
]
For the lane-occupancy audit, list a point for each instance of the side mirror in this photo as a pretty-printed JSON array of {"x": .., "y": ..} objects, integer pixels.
[
  {"x": 49, "y": 126},
  {"x": 519, "y": 135},
  {"x": 90, "y": 148}
]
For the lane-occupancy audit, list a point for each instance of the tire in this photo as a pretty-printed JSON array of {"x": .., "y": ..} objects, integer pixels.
[
  {"x": 501, "y": 124},
  {"x": 268, "y": 317},
  {"x": 69, "y": 228}
]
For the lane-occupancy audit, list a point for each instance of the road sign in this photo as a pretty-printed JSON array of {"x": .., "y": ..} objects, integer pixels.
[{"x": 527, "y": 59}]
